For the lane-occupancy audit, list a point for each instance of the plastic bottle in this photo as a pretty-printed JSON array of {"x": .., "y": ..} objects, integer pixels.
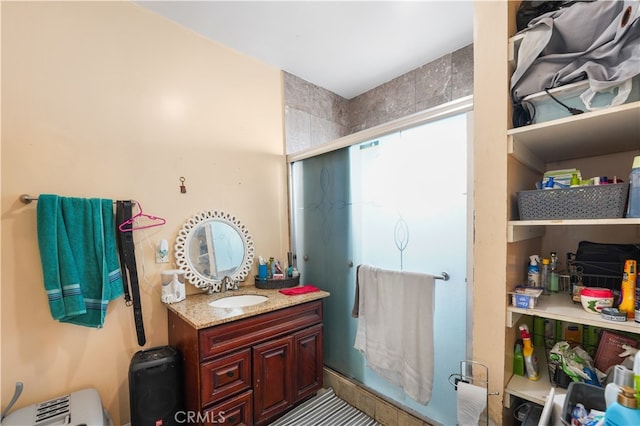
[
  {"x": 623, "y": 412},
  {"x": 636, "y": 375},
  {"x": 553, "y": 275},
  {"x": 633, "y": 208},
  {"x": 518, "y": 360},
  {"x": 575, "y": 181},
  {"x": 538, "y": 331},
  {"x": 622, "y": 376},
  {"x": 636, "y": 313},
  {"x": 533, "y": 272},
  {"x": 530, "y": 359},
  {"x": 544, "y": 276},
  {"x": 628, "y": 287}
]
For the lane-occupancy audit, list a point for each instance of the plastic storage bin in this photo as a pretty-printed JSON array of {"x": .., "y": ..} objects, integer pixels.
[
  {"x": 546, "y": 109},
  {"x": 583, "y": 202},
  {"x": 592, "y": 397}
]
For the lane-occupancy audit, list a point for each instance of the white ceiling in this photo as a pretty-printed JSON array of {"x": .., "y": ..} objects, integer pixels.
[{"x": 347, "y": 47}]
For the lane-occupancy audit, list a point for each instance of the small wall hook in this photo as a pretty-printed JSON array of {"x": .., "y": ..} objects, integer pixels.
[{"x": 183, "y": 189}]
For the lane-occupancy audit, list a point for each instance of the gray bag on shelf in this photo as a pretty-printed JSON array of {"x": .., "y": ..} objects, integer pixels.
[{"x": 598, "y": 41}]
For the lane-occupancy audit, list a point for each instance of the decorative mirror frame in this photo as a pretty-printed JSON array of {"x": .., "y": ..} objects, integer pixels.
[{"x": 212, "y": 285}]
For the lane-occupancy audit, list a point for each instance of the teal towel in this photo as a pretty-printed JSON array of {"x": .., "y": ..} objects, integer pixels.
[{"x": 76, "y": 237}]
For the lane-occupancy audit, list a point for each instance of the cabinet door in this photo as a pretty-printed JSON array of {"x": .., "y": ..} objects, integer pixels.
[
  {"x": 307, "y": 369},
  {"x": 272, "y": 378}
]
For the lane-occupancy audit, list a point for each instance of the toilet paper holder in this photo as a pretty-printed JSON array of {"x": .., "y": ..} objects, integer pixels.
[{"x": 475, "y": 373}]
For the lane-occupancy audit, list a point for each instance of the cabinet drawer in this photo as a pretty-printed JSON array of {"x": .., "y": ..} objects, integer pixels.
[
  {"x": 224, "y": 338},
  {"x": 225, "y": 376},
  {"x": 236, "y": 411}
]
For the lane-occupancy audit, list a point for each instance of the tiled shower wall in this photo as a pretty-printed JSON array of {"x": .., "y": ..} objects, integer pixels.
[{"x": 314, "y": 115}]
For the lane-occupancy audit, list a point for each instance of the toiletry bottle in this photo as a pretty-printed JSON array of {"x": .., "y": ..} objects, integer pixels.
[
  {"x": 636, "y": 375},
  {"x": 518, "y": 360},
  {"x": 574, "y": 180},
  {"x": 623, "y": 412},
  {"x": 530, "y": 359},
  {"x": 544, "y": 276},
  {"x": 628, "y": 288},
  {"x": 633, "y": 209},
  {"x": 538, "y": 331},
  {"x": 533, "y": 272},
  {"x": 622, "y": 376},
  {"x": 554, "y": 278}
]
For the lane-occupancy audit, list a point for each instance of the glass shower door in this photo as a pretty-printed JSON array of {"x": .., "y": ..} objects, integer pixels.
[{"x": 397, "y": 202}]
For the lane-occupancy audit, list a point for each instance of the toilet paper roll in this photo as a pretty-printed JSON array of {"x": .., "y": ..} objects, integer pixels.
[{"x": 472, "y": 400}]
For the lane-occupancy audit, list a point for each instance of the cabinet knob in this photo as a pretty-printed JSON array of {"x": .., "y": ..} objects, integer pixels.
[{"x": 230, "y": 373}]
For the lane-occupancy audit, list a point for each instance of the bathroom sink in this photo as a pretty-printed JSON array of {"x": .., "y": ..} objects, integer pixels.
[{"x": 240, "y": 301}]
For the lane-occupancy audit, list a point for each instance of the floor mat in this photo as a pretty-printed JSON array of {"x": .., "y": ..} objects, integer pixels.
[{"x": 325, "y": 409}]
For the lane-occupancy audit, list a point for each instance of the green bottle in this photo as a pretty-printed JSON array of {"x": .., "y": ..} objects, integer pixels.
[{"x": 518, "y": 360}]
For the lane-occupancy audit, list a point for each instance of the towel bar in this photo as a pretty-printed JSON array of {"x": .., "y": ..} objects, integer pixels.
[
  {"x": 27, "y": 199},
  {"x": 444, "y": 277}
]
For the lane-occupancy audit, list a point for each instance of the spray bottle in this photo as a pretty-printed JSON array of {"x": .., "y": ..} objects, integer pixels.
[
  {"x": 533, "y": 272},
  {"x": 530, "y": 359},
  {"x": 628, "y": 288}
]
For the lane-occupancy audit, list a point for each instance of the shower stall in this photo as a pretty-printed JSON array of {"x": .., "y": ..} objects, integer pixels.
[{"x": 399, "y": 201}]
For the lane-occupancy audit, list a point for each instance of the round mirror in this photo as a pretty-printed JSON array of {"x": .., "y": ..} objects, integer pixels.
[{"x": 211, "y": 246}]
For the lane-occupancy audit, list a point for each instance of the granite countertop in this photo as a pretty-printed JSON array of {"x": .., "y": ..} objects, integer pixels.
[{"x": 196, "y": 311}]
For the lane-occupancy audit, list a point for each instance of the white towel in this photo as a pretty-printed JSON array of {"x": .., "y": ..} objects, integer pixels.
[{"x": 395, "y": 328}]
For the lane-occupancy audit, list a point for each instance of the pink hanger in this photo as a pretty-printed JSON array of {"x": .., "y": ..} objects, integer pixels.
[{"x": 158, "y": 221}]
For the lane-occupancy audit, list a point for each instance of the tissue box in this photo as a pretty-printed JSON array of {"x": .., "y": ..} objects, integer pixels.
[{"x": 525, "y": 297}]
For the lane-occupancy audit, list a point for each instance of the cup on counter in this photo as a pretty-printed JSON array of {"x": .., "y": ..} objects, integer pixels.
[{"x": 263, "y": 271}]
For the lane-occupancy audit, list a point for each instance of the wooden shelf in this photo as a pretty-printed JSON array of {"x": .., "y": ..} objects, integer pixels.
[
  {"x": 532, "y": 390},
  {"x": 560, "y": 307},
  {"x": 518, "y": 230},
  {"x": 590, "y": 134}
]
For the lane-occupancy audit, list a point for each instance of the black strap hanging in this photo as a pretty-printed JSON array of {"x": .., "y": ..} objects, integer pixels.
[
  {"x": 123, "y": 215},
  {"x": 128, "y": 264}
]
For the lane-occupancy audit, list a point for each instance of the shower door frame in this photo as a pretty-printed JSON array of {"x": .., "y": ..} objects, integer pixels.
[{"x": 457, "y": 107}]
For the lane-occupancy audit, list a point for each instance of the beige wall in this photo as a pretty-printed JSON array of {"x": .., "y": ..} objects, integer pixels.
[{"x": 105, "y": 99}]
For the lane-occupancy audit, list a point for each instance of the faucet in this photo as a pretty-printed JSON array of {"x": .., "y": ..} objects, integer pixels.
[{"x": 229, "y": 284}]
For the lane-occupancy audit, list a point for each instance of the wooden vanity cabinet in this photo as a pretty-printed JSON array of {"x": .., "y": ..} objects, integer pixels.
[{"x": 251, "y": 370}]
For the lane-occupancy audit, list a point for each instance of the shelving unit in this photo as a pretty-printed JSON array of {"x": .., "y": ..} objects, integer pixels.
[{"x": 604, "y": 132}]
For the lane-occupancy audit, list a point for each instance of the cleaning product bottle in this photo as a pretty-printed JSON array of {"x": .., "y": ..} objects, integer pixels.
[
  {"x": 633, "y": 208},
  {"x": 623, "y": 412},
  {"x": 533, "y": 272},
  {"x": 518, "y": 360},
  {"x": 530, "y": 359},
  {"x": 622, "y": 376},
  {"x": 554, "y": 278},
  {"x": 628, "y": 288}
]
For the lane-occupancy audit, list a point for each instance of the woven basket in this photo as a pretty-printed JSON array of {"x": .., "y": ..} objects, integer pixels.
[
  {"x": 279, "y": 283},
  {"x": 584, "y": 202}
]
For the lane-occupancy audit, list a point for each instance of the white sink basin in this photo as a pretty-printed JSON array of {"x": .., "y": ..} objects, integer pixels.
[{"x": 240, "y": 301}]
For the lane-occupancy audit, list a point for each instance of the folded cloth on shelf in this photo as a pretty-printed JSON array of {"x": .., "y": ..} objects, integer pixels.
[
  {"x": 76, "y": 238},
  {"x": 299, "y": 290},
  {"x": 395, "y": 328}
]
